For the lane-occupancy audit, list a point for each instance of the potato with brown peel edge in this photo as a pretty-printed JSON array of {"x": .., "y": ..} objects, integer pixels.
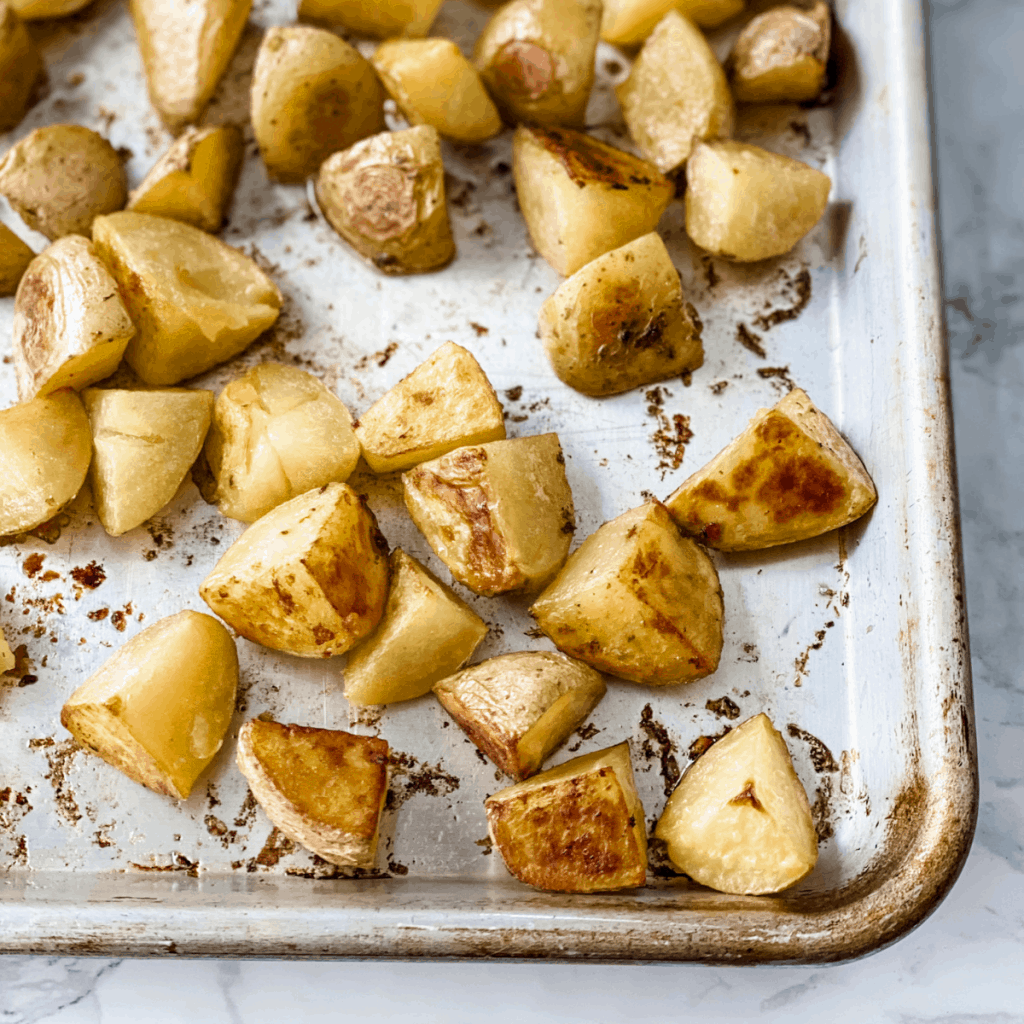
[{"x": 15, "y": 257}]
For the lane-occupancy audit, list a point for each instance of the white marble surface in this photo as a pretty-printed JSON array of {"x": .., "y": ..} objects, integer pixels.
[{"x": 966, "y": 963}]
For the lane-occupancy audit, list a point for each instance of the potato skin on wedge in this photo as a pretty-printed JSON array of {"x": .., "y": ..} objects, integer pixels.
[
  {"x": 378, "y": 19},
  {"x": 15, "y": 257}
]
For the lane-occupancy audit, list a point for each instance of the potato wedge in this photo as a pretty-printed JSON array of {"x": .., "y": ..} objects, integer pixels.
[
  {"x": 637, "y": 600},
  {"x": 499, "y": 515},
  {"x": 710, "y": 13},
  {"x": 310, "y": 578},
  {"x": 312, "y": 94},
  {"x": 22, "y": 64},
  {"x": 581, "y": 197},
  {"x": 195, "y": 301},
  {"x": 426, "y": 634},
  {"x": 676, "y": 94},
  {"x": 536, "y": 58},
  {"x": 160, "y": 708},
  {"x": 519, "y": 708},
  {"x": 7, "y": 659},
  {"x": 44, "y": 10},
  {"x": 447, "y": 402},
  {"x": 45, "y": 450},
  {"x": 322, "y": 788},
  {"x": 374, "y": 18},
  {"x": 575, "y": 828},
  {"x": 70, "y": 326},
  {"x": 739, "y": 820},
  {"x": 143, "y": 445},
  {"x": 621, "y": 322},
  {"x": 433, "y": 83},
  {"x": 15, "y": 256},
  {"x": 630, "y": 22},
  {"x": 789, "y": 476}
]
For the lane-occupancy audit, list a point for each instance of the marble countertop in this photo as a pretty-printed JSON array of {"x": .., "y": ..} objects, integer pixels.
[{"x": 964, "y": 964}]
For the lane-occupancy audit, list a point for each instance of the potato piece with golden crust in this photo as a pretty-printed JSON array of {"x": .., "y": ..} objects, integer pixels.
[
  {"x": 310, "y": 578},
  {"x": 710, "y": 13},
  {"x": 639, "y": 601},
  {"x": 499, "y": 515},
  {"x": 575, "y": 828},
  {"x": 22, "y": 64},
  {"x": 536, "y": 58},
  {"x": 160, "y": 708},
  {"x": 581, "y": 197},
  {"x": 378, "y": 19},
  {"x": 519, "y": 708},
  {"x": 195, "y": 301},
  {"x": 15, "y": 257},
  {"x": 7, "y": 659},
  {"x": 44, "y": 10},
  {"x": 447, "y": 402},
  {"x": 621, "y": 322},
  {"x": 739, "y": 820},
  {"x": 322, "y": 788},
  {"x": 676, "y": 94}
]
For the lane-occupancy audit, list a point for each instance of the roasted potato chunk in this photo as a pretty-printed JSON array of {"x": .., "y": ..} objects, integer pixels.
[
  {"x": 710, "y": 13},
  {"x": 676, "y": 94},
  {"x": 143, "y": 445},
  {"x": 7, "y": 659},
  {"x": 159, "y": 709},
  {"x": 15, "y": 256},
  {"x": 637, "y": 600},
  {"x": 519, "y": 708},
  {"x": 536, "y": 58},
  {"x": 447, "y": 402},
  {"x": 22, "y": 64},
  {"x": 575, "y": 828},
  {"x": 310, "y": 578},
  {"x": 323, "y": 788},
  {"x": 433, "y": 83},
  {"x": 426, "y": 634},
  {"x": 277, "y": 433},
  {"x": 739, "y": 820},
  {"x": 499, "y": 515},
  {"x": 312, "y": 94},
  {"x": 45, "y": 449},
  {"x": 621, "y": 322},
  {"x": 374, "y": 18},
  {"x": 195, "y": 301},
  {"x": 43, "y": 10},
  {"x": 789, "y": 476},
  {"x": 70, "y": 325},
  {"x": 630, "y": 22},
  {"x": 582, "y": 198}
]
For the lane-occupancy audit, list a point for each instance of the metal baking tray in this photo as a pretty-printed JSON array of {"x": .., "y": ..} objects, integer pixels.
[{"x": 855, "y": 643}]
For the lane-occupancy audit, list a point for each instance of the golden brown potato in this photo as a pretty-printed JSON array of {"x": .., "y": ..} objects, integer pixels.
[
  {"x": 739, "y": 820},
  {"x": 621, "y": 322},
  {"x": 499, "y": 515},
  {"x": 310, "y": 578},
  {"x": 744, "y": 203},
  {"x": 637, "y": 600},
  {"x": 22, "y": 64},
  {"x": 447, "y": 402},
  {"x": 582, "y": 198},
  {"x": 45, "y": 449},
  {"x": 195, "y": 301},
  {"x": 630, "y": 22},
  {"x": 322, "y": 788},
  {"x": 379, "y": 19},
  {"x": 789, "y": 476},
  {"x": 7, "y": 659},
  {"x": 676, "y": 94},
  {"x": 426, "y": 634},
  {"x": 144, "y": 444},
  {"x": 312, "y": 94},
  {"x": 433, "y": 83},
  {"x": 62, "y": 176},
  {"x": 519, "y": 708},
  {"x": 159, "y": 709},
  {"x": 15, "y": 256},
  {"x": 536, "y": 58},
  {"x": 43, "y": 10},
  {"x": 70, "y": 325},
  {"x": 710, "y": 13},
  {"x": 575, "y": 828},
  {"x": 385, "y": 197}
]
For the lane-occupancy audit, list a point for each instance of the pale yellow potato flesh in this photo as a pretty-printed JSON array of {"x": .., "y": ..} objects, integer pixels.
[
  {"x": 575, "y": 828},
  {"x": 739, "y": 820},
  {"x": 7, "y": 659},
  {"x": 629, "y": 22},
  {"x": 45, "y": 450},
  {"x": 22, "y": 64},
  {"x": 144, "y": 444},
  {"x": 581, "y": 198},
  {"x": 621, "y": 322},
  {"x": 426, "y": 634},
  {"x": 789, "y": 476},
  {"x": 43, "y": 10},
  {"x": 637, "y": 600},
  {"x": 499, "y": 515},
  {"x": 710, "y": 13},
  {"x": 519, "y": 708},
  {"x": 15, "y": 256},
  {"x": 195, "y": 301},
  {"x": 310, "y": 578},
  {"x": 70, "y": 326},
  {"x": 374, "y": 18},
  {"x": 447, "y": 402}
]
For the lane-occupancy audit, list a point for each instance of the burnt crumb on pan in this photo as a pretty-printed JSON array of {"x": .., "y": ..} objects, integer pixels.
[
  {"x": 750, "y": 341},
  {"x": 478, "y": 329},
  {"x": 87, "y": 577},
  {"x": 514, "y": 394},
  {"x": 658, "y": 862},
  {"x": 656, "y": 733},
  {"x": 486, "y": 845},
  {"x": 179, "y": 862},
  {"x": 723, "y": 707},
  {"x": 370, "y": 715},
  {"x": 50, "y": 531},
  {"x": 750, "y": 654},
  {"x": 673, "y": 432},
  {"x": 33, "y": 565},
  {"x": 323, "y": 870},
  {"x": 381, "y": 358},
  {"x": 797, "y": 290},
  {"x": 587, "y": 731},
  {"x": 702, "y": 744},
  {"x": 409, "y": 777},
  {"x": 277, "y": 845},
  {"x": 778, "y": 375},
  {"x": 60, "y": 757},
  {"x": 710, "y": 274},
  {"x": 821, "y": 756},
  {"x": 246, "y": 816},
  {"x": 13, "y": 844}
]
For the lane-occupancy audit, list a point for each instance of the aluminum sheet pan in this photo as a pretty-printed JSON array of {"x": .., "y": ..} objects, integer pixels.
[{"x": 855, "y": 643}]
